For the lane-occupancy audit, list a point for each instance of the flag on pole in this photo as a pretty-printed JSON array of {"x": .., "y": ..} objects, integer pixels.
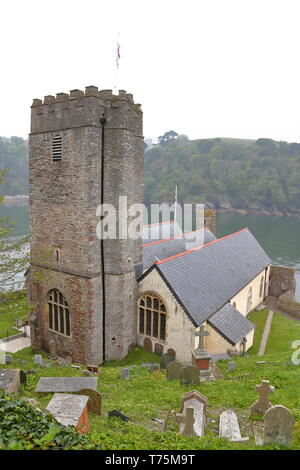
[{"x": 118, "y": 56}]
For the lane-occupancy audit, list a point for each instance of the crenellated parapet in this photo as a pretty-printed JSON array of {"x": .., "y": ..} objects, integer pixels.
[{"x": 83, "y": 108}]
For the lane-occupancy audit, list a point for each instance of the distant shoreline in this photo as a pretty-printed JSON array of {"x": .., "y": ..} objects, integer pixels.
[{"x": 18, "y": 199}]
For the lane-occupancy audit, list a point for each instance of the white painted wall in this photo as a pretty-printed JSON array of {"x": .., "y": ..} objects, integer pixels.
[{"x": 179, "y": 328}]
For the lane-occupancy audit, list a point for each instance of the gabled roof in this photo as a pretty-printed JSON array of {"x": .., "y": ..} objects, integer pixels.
[
  {"x": 159, "y": 249},
  {"x": 204, "y": 279},
  {"x": 160, "y": 231},
  {"x": 231, "y": 324}
]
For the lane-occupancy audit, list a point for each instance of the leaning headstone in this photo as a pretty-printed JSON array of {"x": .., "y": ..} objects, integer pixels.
[
  {"x": 229, "y": 427},
  {"x": 95, "y": 400},
  {"x": 231, "y": 366},
  {"x": 65, "y": 384},
  {"x": 165, "y": 359},
  {"x": 10, "y": 380},
  {"x": 189, "y": 375},
  {"x": 263, "y": 403},
  {"x": 118, "y": 414},
  {"x": 37, "y": 359},
  {"x": 125, "y": 373},
  {"x": 70, "y": 410},
  {"x": 278, "y": 426},
  {"x": 173, "y": 370}
]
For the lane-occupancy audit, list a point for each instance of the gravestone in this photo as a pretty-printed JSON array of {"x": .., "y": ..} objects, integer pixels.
[
  {"x": 173, "y": 370},
  {"x": 278, "y": 426},
  {"x": 189, "y": 375},
  {"x": 198, "y": 403},
  {"x": 263, "y": 403},
  {"x": 231, "y": 366},
  {"x": 65, "y": 384},
  {"x": 229, "y": 427},
  {"x": 10, "y": 380},
  {"x": 23, "y": 377},
  {"x": 125, "y": 373},
  {"x": 148, "y": 344},
  {"x": 165, "y": 359},
  {"x": 37, "y": 359},
  {"x": 172, "y": 352},
  {"x": 158, "y": 349},
  {"x": 118, "y": 414},
  {"x": 70, "y": 410},
  {"x": 87, "y": 373},
  {"x": 52, "y": 347},
  {"x": 95, "y": 400},
  {"x": 187, "y": 422},
  {"x": 8, "y": 359}
]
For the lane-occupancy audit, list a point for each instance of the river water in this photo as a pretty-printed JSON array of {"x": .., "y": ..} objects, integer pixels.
[{"x": 279, "y": 236}]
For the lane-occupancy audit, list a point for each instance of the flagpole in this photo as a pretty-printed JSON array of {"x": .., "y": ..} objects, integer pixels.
[
  {"x": 175, "y": 205},
  {"x": 117, "y": 64}
]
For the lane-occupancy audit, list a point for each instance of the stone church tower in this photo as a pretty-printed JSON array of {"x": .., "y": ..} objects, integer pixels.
[{"x": 86, "y": 148}]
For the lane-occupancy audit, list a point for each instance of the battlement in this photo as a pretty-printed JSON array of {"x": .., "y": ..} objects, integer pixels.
[
  {"x": 80, "y": 108},
  {"x": 89, "y": 91}
]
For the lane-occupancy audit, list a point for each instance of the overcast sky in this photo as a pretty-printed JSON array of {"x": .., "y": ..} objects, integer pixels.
[{"x": 205, "y": 68}]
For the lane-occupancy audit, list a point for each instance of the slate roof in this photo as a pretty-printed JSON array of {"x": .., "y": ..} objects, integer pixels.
[
  {"x": 160, "y": 249},
  {"x": 231, "y": 324},
  {"x": 157, "y": 251},
  {"x": 205, "y": 279},
  {"x": 160, "y": 231}
]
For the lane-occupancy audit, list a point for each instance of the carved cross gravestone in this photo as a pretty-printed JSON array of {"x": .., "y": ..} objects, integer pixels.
[
  {"x": 198, "y": 403},
  {"x": 187, "y": 422},
  {"x": 201, "y": 334},
  {"x": 263, "y": 403},
  {"x": 278, "y": 426}
]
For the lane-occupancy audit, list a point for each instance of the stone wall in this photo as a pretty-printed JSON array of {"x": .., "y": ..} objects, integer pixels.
[
  {"x": 282, "y": 281},
  {"x": 286, "y": 304},
  {"x": 210, "y": 220}
]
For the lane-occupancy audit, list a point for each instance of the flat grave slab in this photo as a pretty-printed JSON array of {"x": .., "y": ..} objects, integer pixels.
[
  {"x": 65, "y": 384},
  {"x": 70, "y": 410}
]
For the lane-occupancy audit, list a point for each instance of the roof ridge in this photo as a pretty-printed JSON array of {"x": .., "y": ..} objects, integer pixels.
[
  {"x": 173, "y": 238},
  {"x": 200, "y": 246},
  {"x": 159, "y": 223}
]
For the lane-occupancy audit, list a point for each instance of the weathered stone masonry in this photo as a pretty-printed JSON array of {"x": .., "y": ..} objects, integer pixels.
[{"x": 64, "y": 196}]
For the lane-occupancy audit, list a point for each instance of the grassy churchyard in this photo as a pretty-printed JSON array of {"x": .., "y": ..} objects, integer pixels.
[{"x": 148, "y": 395}]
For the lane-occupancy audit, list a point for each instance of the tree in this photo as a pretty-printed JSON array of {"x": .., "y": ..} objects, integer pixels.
[
  {"x": 167, "y": 137},
  {"x": 14, "y": 257}
]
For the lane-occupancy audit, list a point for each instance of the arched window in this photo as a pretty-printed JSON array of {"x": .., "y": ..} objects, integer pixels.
[
  {"x": 261, "y": 287},
  {"x": 59, "y": 313},
  {"x": 152, "y": 317},
  {"x": 249, "y": 300}
]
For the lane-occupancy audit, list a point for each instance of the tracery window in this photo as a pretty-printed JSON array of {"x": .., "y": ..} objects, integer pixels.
[
  {"x": 152, "y": 317},
  {"x": 261, "y": 287},
  {"x": 59, "y": 313},
  {"x": 249, "y": 300}
]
